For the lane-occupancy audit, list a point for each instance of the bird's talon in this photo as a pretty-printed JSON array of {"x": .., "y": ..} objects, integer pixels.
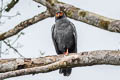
[{"x": 66, "y": 53}]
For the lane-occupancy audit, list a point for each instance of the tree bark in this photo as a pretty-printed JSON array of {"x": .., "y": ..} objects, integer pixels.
[
  {"x": 24, "y": 66},
  {"x": 24, "y": 25},
  {"x": 82, "y": 15},
  {"x": 71, "y": 12},
  {"x": 51, "y": 63},
  {"x": 11, "y": 5},
  {"x": 21, "y": 63}
]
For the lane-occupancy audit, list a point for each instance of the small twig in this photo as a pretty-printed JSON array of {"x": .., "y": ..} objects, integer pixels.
[
  {"x": 1, "y": 9},
  {"x": 17, "y": 37},
  {"x": 12, "y": 15},
  {"x": 8, "y": 44},
  {"x": 12, "y": 43},
  {"x": 6, "y": 51}
]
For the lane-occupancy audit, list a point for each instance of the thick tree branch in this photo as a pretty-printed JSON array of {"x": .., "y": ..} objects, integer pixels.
[
  {"x": 24, "y": 24},
  {"x": 21, "y": 63},
  {"x": 72, "y": 12},
  {"x": 82, "y": 15},
  {"x": 73, "y": 60}
]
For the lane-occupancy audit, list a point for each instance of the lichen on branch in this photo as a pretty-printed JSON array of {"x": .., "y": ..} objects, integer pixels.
[
  {"x": 51, "y": 63},
  {"x": 81, "y": 15}
]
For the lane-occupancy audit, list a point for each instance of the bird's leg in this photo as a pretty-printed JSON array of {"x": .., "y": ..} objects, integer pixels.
[{"x": 66, "y": 53}]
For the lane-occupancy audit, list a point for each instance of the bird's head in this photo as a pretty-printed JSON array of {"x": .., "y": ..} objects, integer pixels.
[{"x": 59, "y": 15}]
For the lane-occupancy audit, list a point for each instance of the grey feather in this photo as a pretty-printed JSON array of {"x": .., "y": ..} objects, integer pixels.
[
  {"x": 53, "y": 38},
  {"x": 64, "y": 37}
]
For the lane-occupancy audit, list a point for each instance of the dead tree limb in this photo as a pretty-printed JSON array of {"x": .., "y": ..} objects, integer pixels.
[
  {"x": 90, "y": 58},
  {"x": 30, "y": 66},
  {"x": 82, "y": 15},
  {"x": 21, "y": 63},
  {"x": 72, "y": 12},
  {"x": 24, "y": 24}
]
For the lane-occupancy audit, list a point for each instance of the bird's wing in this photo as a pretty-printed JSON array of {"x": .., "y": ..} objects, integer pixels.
[
  {"x": 75, "y": 35},
  {"x": 54, "y": 39}
]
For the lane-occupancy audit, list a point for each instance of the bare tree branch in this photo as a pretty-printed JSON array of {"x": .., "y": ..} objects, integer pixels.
[
  {"x": 72, "y": 12},
  {"x": 90, "y": 58},
  {"x": 11, "y": 5},
  {"x": 9, "y": 45},
  {"x": 82, "y": 15},
  {"x": 25, "y": 66},
  {"x": 21, "y": 63},
  {"x": 24, "y": 24}
]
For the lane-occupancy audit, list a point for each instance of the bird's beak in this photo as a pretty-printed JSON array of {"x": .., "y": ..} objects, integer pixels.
[{"x": 57, "y": 15}]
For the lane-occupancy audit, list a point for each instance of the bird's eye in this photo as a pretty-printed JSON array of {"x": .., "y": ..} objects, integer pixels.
[{"x": 61, "y": 13}]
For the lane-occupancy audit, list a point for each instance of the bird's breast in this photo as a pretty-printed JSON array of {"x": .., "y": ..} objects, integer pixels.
[{"x": 64, "y": 38}]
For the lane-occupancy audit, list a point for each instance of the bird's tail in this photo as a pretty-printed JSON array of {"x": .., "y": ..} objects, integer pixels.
[{"x": 65, "y": 71}]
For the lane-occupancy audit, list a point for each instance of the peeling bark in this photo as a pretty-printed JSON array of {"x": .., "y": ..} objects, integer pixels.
[
  {"x": 90, "y": 58},
  {"x": 21, "y": 63}
]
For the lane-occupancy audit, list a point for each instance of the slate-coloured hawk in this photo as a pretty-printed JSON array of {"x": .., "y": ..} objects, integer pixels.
[{"x": 64, "y": 37}]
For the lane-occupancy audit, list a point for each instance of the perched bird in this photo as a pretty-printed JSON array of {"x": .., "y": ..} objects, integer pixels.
[{"x": 64, "y": 37}]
